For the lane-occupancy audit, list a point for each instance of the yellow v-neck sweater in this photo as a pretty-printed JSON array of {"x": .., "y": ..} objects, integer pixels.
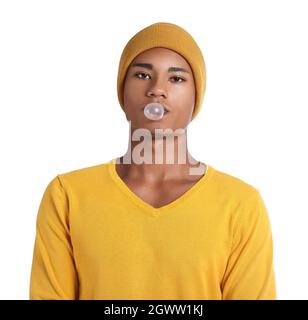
[{"x": 96, "y": 239}]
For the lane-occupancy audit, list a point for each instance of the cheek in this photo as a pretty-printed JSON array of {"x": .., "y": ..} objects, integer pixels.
[
  {"x": 184, "y": 99},
  {"x": 132, "y": 92},
  {"x": 131, "y": 97},
  {"x": 128, "y": 88}
]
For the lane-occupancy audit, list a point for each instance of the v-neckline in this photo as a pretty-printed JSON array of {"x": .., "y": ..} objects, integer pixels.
[{"x": 148, "y": 207}]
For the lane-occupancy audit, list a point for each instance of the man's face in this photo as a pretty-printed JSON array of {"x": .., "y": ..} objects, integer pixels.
[{"x": 175, "y": 89}]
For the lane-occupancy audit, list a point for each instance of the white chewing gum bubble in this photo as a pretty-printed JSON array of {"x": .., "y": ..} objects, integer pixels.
[{"x": 154, "y": 111}]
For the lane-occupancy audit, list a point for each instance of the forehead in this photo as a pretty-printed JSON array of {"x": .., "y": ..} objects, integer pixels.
[{"x": 163, "y": 57}]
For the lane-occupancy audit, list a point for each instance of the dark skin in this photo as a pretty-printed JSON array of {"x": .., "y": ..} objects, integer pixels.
[{"x": 159, "y": 184}]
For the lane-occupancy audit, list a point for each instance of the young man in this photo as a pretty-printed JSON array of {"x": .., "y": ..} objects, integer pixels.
[{"x": 145, "y": 225}]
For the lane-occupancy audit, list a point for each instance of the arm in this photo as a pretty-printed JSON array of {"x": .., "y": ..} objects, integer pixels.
[
  {"x": 249, "y": 273},
  {"x": 53, "y": 274}
]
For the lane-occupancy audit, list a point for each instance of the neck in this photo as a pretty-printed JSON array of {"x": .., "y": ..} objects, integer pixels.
[{"x": 158, "y": 158}]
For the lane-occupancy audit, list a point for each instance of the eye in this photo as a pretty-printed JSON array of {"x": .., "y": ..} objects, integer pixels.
[
  {"x": 138, "y": 73},
  {"x": 176, "y": 77}
]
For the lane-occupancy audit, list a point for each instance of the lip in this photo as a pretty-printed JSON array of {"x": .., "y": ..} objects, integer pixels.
[{"x": 166, "y": 108}]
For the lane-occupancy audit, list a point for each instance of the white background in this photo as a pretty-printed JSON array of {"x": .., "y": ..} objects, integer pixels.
[{"x": 59, "y": 109}]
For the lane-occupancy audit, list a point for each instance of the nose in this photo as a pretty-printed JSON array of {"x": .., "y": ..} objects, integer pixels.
[{"x": 157, "y": 90}]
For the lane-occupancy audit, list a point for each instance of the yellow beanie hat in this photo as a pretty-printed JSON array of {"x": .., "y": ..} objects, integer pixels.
[{"x": 171, "y": 36}]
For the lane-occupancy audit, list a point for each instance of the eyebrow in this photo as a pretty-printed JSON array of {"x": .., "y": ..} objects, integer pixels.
[{"x": 150, "y": 66}]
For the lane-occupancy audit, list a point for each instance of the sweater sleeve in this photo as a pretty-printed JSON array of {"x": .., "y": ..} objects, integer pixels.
[
  {"x": 53, "y": 273},
  {"x": 249, "y": 274}
]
